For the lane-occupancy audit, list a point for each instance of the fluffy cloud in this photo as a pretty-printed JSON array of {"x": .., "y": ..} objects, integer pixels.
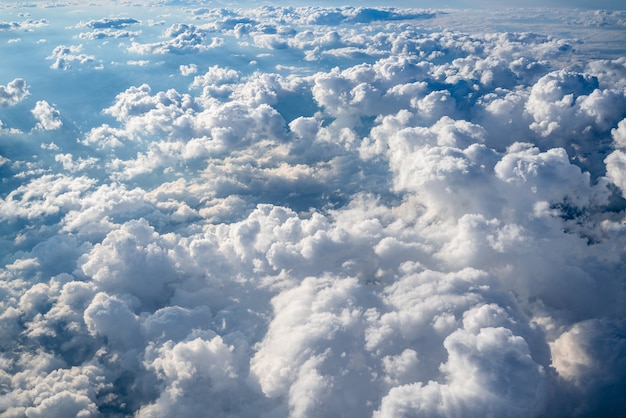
[
  {"x": 47, "y": 116},
  {"x": 44, "y": 196},
  {"x": 13, "y": 93},
  {"x": 616, "y": 169},
  {"x": 619, "y": 134},
  {"x": 108, "y": 33},
  {"x": 63, "y": 57},
  {"x": 181, "y": 366},
  {"x": 109, "y": 264},
  {"x": 183, "y": 39},
  {"x": 340, "y": 211},
  {"x": 25, "y": 24}
]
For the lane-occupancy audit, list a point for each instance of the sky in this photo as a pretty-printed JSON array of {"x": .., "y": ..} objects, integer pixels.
[{"x": 313, "y": 211}]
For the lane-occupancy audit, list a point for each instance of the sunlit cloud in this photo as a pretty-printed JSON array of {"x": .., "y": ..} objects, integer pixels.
[{"x": 311, "y": 211}]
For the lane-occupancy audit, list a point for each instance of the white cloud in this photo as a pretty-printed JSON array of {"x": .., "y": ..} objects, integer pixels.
[
  {"x": 108, "y": 33},
  {"x": 565, "y": 103},
  {"x": 27, "y": 24},
  {"x": 469, "y": 393},
  {"x": 70, "y": 164},
  {"x": 44, "y": 196},
  {"x": 108, "y": 23},
  {"x": 296, "y": 357},
  {"x": 131, "y": 260},
  {"x": 59, "y": 393},
  {"x": 188, "y": 69},
  {"x": 104, "y": 136},
  {"x": 609, "y": 72},
  {"x": 216, "y": 75},
  {"x": 106, "y": 313},
  {"x": 64, "y": 56},
  {"x": 205, "y": 359},
  {"x": 616, "y": 169},
  {"x": 13, "y": 93},
  {"x": 183, "y": 39},
  {"x": 48, "y": 117},
  {"x": 377, "y": 218}
]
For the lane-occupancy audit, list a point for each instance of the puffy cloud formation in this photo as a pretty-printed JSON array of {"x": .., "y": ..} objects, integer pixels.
[
  {"x": 108, "y": 28},
  {"x": 47, "y": 116},
  {"x": 313, "y": 212},
  {"x": 182, "y": 38},
  {"x": 108, "y": 33},
  {"x": 23, "y": 25},
  {"x": 14, "y": 92},
  {"x": 63, "y": 57}
]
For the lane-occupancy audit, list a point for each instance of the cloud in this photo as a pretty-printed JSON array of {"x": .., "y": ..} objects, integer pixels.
[
  {"x": 569, "y": 105},
  {"x": 47, "y": 116},
  {"x": 13, "y": 93},
  {"x": 105, "y": 136},
  {"x": 609, "y": 72},
  {"x": 64, "y": 56},
  {"x": 467, "y": 394},
  {"x": 188, "y": 69},
  {"x": 109, "y": 23},
  {"x": 44, "y": 196},
  {"x": 183, "y": 39},
  {"x": 70, "y": 164},
  {"x": 26, "y": 24},
  {"x": 8, "y": 130},
  {"x": 9, "y": 25},
  {"x": 576, "y": 358},
  {"x": 314, "y": 211},
  {"x": 108, "y": 33},
  {"x": 207, "y": 359},
  {"x": 112, "y": 264},
  {"x": 57, "y": 393},
  {"x": 616, "y": 169}
]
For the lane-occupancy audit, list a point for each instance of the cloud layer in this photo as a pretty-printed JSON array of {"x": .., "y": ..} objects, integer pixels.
[{"x": 311, "y": 212}]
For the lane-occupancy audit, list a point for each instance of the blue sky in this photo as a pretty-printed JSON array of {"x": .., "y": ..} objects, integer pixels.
[{"x": 314, "y": 212}]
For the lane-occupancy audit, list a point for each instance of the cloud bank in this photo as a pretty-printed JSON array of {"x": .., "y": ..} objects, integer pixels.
[{"x": 311, "y": 212}]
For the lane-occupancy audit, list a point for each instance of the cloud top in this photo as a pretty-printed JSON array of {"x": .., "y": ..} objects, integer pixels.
[
  {"x": 14, "y": 92},
  {"x": 311, "y": 212}
]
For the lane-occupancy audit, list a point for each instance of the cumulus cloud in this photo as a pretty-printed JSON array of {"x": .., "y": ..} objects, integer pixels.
[
  {"x": 188, "y": 69},
  {"x": 47, "y": 116},
  {"x": 181, "y": 38},
  {"x": 14, "y": 92},
  {"x": 63, "y": 57},
  {"x": 616, "y": 169},
  {"x": 341, "y": 211},
  {"x": 23, "y": 25},
  {"x": 108, "y": 33}
]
